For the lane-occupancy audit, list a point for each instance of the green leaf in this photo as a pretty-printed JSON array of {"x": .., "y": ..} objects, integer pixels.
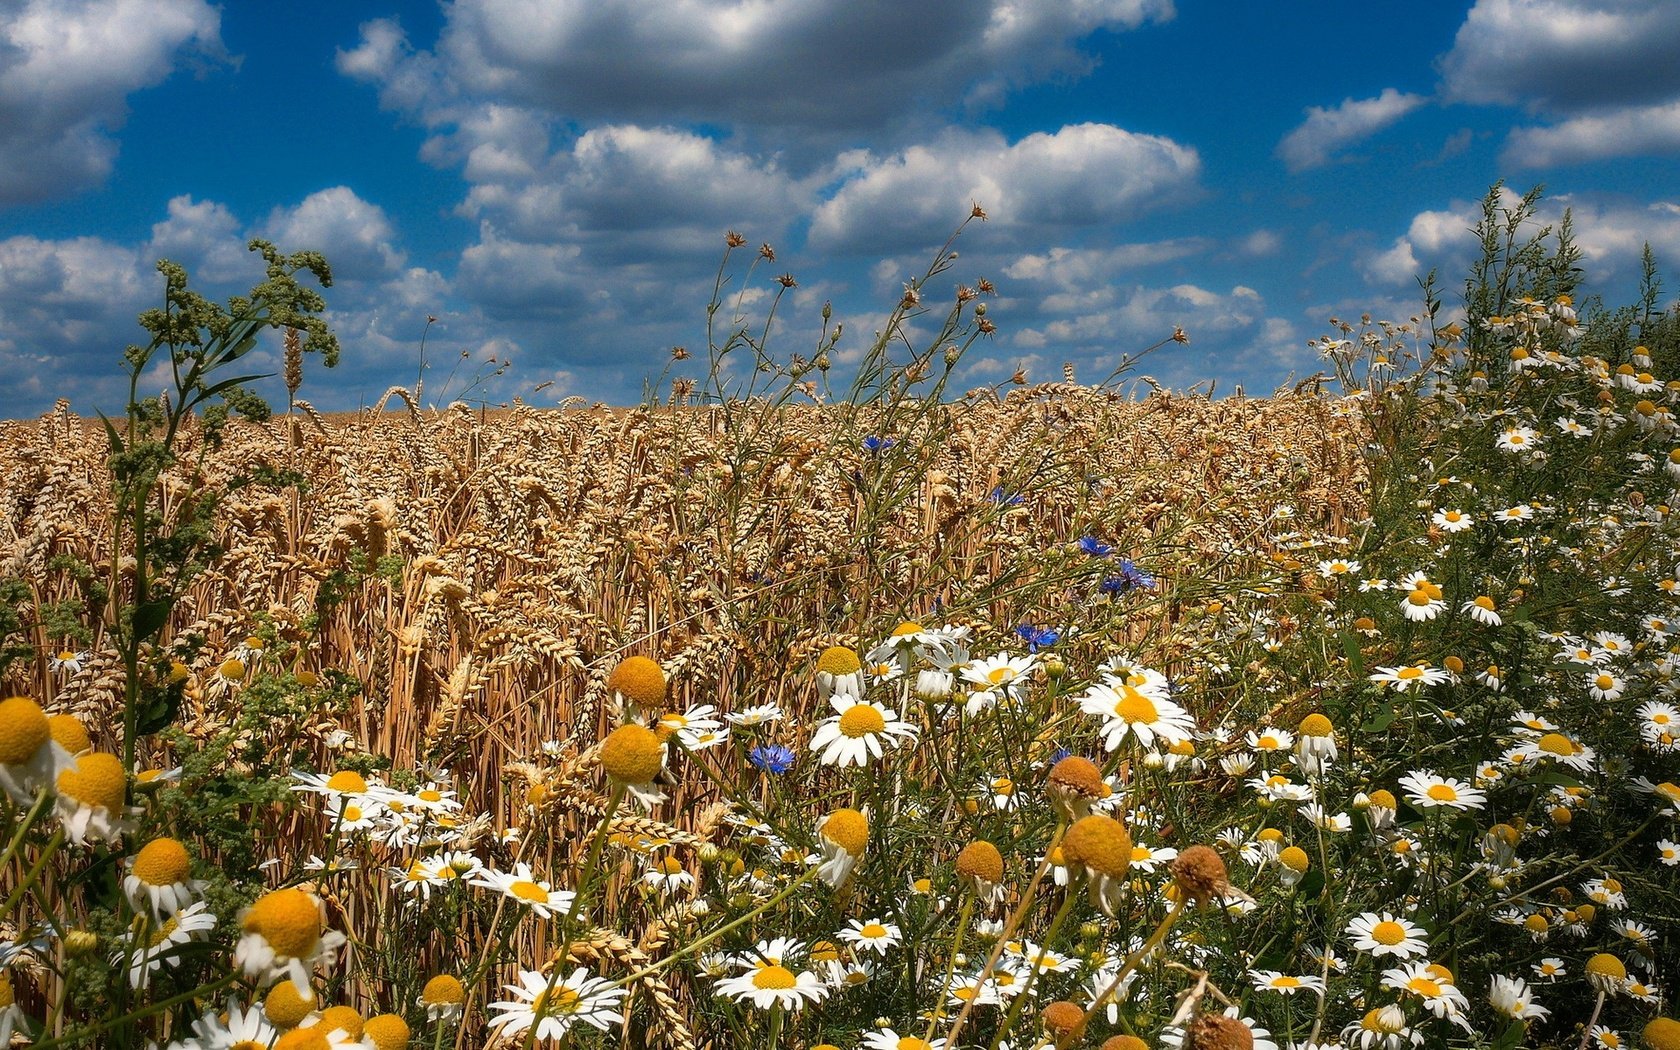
[
  {"x": 111, "y": 434},
  {"x": 1355, "y": 657},
  {"x": 1382, "y": 720},
  {"x": 150, "y": 616}
]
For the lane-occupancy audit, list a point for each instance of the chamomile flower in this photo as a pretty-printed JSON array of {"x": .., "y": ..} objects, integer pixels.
[
  {"x": 889, "y": 1039},
  {"x": 1431, "y": 983},
  {"x": 668, "y": 875},
  {"x": 160, "y": 875},
  {"x": 284, "y": 938},
  {"x": 1143, "y": 714},
  {"x": 875, "y": 936},
  {"x": 523, "y": 887},
  {"x": 91, "y": 797},
  {"x": 1288, "y": 984},
  {"x": 1603, "y": 685},
  {"x": 1518, "y": 440},
  {"x": 1659, "y": 724},
  {"x": 1381, "y": 933},
  {"x": 844, "y": 835},
  {"x": 1483, "y": 610},
  {"x": 1668, "y": 852},
  {"x": 161, "y": 942},
  {"x": 1429, "y": 790},
  {"x": 1403, "y": 678},
  {"x": 30, "y": 759},
  {"x": 1449, "y": 520},
  {"x": 858, "y": 732},
  {"x": 839, "y": 674},
  {"x": 770, "y": 984},
  {"x": 755, "y": 715},
  {"x": 1381, "y": 1028},
  {"x": 552, "y": 1008},
  {"x": 1000, "y": 677},
  {"x": 1337, "y": 567}
]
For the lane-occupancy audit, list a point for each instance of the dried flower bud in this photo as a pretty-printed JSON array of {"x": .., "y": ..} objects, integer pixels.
[
  {"x": 733, "y": 239},
  {"x": 1200, "y": 874}
]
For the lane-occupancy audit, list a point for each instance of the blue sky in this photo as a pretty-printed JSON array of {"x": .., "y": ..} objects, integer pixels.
[{"x": 552, "y": 179}]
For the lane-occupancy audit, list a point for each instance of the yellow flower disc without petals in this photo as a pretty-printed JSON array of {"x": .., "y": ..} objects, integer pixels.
[
  {"x": 23, "y": 729},
  {"x": 848, "y": 829},
  {"x": 632, "y": 754},
  {"x": 981, "y": 860},
  {"x": 97, "y": 780},
  {"x": 640, "y": 680},
  {"x": 1662, "y": 1033},
  {"x": 71, "y": 735},
  {"x": 386, "y": 1032},
  {"x": 1606, "y": 965},
  {"x": 343, "y": 1017},
  {"x": 443, "y": 990},
  {"x": 837, "y": 659},
  {"x": 162, "y": 862},
  {"x": 289, "y": 919},
  {"x": 1101, "y": 844},
  {"x": 1316, "y": 725},
  {"x": 285, "y": 1008}
]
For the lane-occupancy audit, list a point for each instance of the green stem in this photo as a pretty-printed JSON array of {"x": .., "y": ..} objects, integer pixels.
[
  {"x": 951, "y": 968},
  {"x": 1032, "y": 975}
]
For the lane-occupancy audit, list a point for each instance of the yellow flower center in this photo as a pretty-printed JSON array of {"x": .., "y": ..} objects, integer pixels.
[
  {"x": 1134, "y": 707},
  {"x": 848, "y": 829},
  {"x": 1101, "y": 844},
  {"x": 162, "y": 862},
  {"x": 285, "y": 1007},
  {"x": 1000, "y": 675},
  {"x": 1316, "y": 725},
  {"x": 98, "y": 780},
  {"x": 23, "y": 729},
  {"x": 1424, "y": 987},
  {"x": 1406, "y": 674},
  {"x": 347, "y": 782},
  {"x": 774, "y": 977},
  {"x": 873, "y": 930},
  {"x": 862, "y": 720},
  {"x": 561, "y": 1000},
  {"x": 1442, "y": 793},
  {"x": 289, "y": 919},
  {"x": 838, "y": 660},
  {"x": 910, "y": 1042},
  {"x": 632, "y": 754},
  {"x": 70, "y": 733},
  {"x": 526, "y": 890},
  {"x": 907, "y": 627},
  {"x": 639, "y": 679},
  {"x": 1557, "y": 744},
  {"x": 442, "y": 990},
  {"x": 1285, "y": 981},
  {"x": 1388, "y": 932}
]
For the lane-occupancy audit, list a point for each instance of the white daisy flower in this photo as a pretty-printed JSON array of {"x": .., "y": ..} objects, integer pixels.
[
  {"x": 859, "y": 732},
  {"x": 1381, "y": 933},
  {"x": 550, "y": 1008},
  {"x": 1429, "y": 790}
]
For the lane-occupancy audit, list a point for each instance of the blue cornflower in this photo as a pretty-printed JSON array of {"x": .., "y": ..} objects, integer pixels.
[
  {"x": 1094, "y": 547},
  {"x": 1131, "y": 578},
  {"x": 1008, "y": 499},
  {"x": 877, "y": 444},
  {"x": 1038, "y": 636},
  {"x": 772, "y": 758}
]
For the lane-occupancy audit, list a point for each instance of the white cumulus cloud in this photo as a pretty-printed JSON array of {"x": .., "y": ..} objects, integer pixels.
[
  {"x": 67, "y": 68},
  {"x": 1080, "y": 175},
  {"x": 1326, "y": 130}
]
